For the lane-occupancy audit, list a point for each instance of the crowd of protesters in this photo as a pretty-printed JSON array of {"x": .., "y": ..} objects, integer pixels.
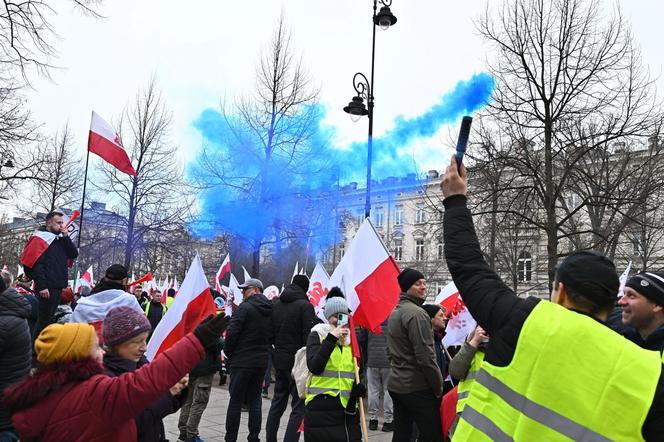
[{"x": 586, "y": 366}]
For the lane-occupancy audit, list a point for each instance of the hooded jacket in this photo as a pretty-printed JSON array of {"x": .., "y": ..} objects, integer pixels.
[
  {"x": 247, "y": 337},
  {"x": 77, "y": 401},
  {"x": 293, "y": 317},
  {"x": 149, "y": 425},
  {"x": 15, "y": 348}
]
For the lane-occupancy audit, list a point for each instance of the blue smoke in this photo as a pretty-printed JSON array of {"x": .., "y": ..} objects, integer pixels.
[{"x": 297, "y": 191}]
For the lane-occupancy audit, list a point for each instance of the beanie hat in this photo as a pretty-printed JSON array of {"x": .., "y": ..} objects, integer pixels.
[
  {"x": 64, "y": 343},
  {"x": 170, "y": 292},
  {"x": 649, "y": 284},
  {"x": 408, "y": 277},
  {"x": 123, "y": 323},
  {"x": 335, "y": 305},
  {"x": 116, "y": 272},
  {"x": 301, "y": 281},
  {"x": 591, "y": 275},
  {"x": 432, "y": 309},
  {"x": 334, "y": 292}
]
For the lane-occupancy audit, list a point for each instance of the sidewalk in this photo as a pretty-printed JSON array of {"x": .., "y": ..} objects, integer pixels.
[{"x": 212, "y": 427}]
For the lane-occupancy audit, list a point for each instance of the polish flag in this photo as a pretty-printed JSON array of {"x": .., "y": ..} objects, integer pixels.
[
  {"x": 94, "y": 308},
  {"x": 247, "y": 276},
  {"x": 164, "y": 290},
  {"x": 85, "y": 280},
  {"x": 623, "y": 280},
  {"x": 367, "y": 274},
  {"x": 193, "y": 304},
  {"x": 148, "y": 277},
  {"x": 233, "y": 287},
  {"x": 460, "y": 322},
  {"x": 105, "y": 142},
  {"x": 225, "y": 268},
  {"x": 36, "y": 245},
  {"x": 319, "y": 285}
]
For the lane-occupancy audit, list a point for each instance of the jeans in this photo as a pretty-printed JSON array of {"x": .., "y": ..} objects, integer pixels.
[
  {"x": 421, "y": 407},
  {"x": 47, "y": 307},
  {"x": 245, "y": 385},
  {"x": 377, "y": 379},
  {"x": 284, "y": 386},
  {"x": 193, "y": 408}
]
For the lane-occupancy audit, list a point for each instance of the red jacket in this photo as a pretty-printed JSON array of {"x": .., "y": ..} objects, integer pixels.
[{"x": 101, "y": 408}]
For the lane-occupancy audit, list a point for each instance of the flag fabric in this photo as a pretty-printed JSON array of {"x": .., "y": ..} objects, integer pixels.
[
  {"x": 460, "y": 322},
  {"x": 354, "y": 344},
  {"x": 84, "y": 281},
  {"x": 19, "y": 270},
  {"x": 225, "y": 268},
  {"x": 176, "y": 286},
  {"x": 105, "y": 142},
  {"x": 36, "y": 246},
  {"x": 623, "y": 280},
  {"x": 148, "y": 277},
  {"x": 296, "y": 271},
  {"x": 164, "y": 290},
  {"x": 94, "y": 308},
  {"x": 367, "y": 275},
  {"x": 247, "y": 276},
  {"x": 319, "y": 285},
  {"x": 235, "y": 290},
  {"x": 193, "y": 304}
]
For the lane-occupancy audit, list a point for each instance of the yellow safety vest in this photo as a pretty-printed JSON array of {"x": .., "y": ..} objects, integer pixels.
[
  {"x": 163, "y": 312},
  {"x": 337, "y": 379},
  {"x": 463, "y": 389},
  {"x": 571, "y": 379}
]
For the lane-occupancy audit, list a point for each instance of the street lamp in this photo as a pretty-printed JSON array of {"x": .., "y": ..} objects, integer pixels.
[{"x": 364, "y": 89}]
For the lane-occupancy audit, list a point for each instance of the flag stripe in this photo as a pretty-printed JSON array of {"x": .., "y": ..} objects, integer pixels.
[
  {"x": 111, "y": 153},
  {"x": 379, "y": 294}
]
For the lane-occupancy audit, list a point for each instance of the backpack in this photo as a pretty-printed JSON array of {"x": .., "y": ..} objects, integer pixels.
[{"x": 300, "y": 371}]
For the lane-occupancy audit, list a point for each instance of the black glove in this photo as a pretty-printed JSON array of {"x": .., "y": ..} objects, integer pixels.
[
  {"x": 359, "y": 390},
  {"x": 211, "y": 328}
]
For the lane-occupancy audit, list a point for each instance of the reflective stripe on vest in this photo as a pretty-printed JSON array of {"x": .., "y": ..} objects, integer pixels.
[
  {"x": 569, "y": 379},
  {"x": 337, "y": 379},
  {"x": 466, "y": 383}
]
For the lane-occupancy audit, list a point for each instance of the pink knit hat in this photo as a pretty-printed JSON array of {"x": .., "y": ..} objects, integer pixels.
[{"x": 123, "y": 323}]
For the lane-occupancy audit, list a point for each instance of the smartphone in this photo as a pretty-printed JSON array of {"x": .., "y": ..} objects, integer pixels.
[{"x": 342, "y": 320}]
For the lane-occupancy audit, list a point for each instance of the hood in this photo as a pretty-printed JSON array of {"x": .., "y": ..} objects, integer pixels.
[
  {"x": 14, "y": 304},
  {"x": 293, "y": 293},
  {"x": 261, "y": 303},
  {"x": 406, "y": 297}
]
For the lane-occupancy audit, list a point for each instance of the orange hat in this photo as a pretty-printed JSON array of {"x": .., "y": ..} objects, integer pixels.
[{"x": 64, "y": 343}]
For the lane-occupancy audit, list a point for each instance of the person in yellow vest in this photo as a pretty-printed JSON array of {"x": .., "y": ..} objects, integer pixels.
[
  {"x": 170, "y": 297},
  {"x": 331, "y": 410},
  {"x": 155, "y": 310},
  {"x": 552, "y": 371},
  {"x": 464, "y": 367},
  {"x": 643, "y": 310}
]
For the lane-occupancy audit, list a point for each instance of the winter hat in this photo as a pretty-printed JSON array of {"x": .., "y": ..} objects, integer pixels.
[
  {"x": 431, "y": 309},
  {"x": 591, "y": 275},
  {"x": 408, "y": 277},
  {"x": 123, "y": 323},
  {"x": 64, "y": 343},
  {"x": 649, "y": 284},
  {"x": 301, "y": 281},
  {"x": 335, "y": 304},
  {"x": 252, "y": 282},
  {"x": 116, "y": 272},
  {"x": 170, "y": 292}
]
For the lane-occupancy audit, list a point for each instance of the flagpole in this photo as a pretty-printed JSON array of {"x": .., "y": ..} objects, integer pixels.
[
  {"x": 363, "y": 420},
  {"x": 85, "y": 182}
]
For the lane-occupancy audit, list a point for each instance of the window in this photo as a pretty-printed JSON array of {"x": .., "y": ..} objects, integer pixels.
[
  {"x": 398, "y": 250},
  {"x": 398, "y": 215},
  {"x": 419, "y": 213},
  {"x": 524, "y": 267},
  {"x": 379, "y": 218},
  {"x": 419, "y": 250},
  {"x": 441, "y": 250}
]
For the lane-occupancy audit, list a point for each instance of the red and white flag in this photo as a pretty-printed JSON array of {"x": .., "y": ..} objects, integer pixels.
[
  {"x": 94, "y": 308},
  {"x": 164, "y": 289},
  {"x": 623, "y": 280},
  {"x": 460, "y": 322},
  {"x": 193, "y": 304},
  {"x": 234, "y": 289},
  {"x": 319, "y": 286},
  {"x": 225, "y": 268},
  {"x": 84, "y": 281},
  {"x": 105, "y": 142},
  {"x": 367, "y": 274},
  {"x": 36, "y": 246},
  {"x": 247, "y": 276}
]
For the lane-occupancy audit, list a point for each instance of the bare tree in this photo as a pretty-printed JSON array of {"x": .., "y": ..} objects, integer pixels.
[
  {"x": 155, "y": 201},
  {"x": 268, "y": 140},
  {"x": 568, "y": 81}
]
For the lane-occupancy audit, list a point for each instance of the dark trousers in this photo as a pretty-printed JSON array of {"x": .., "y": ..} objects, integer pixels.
[
  {"x": 245, "y": 386},
  {"x": 420, "y": 407},
  {"x": 284, "y": 386},
  {"x": 47, "y": 307}
]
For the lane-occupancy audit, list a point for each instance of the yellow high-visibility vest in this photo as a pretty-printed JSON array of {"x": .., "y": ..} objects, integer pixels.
[
  {"x": 571, "y": 379},
  {"x": 337, "y": 378}
]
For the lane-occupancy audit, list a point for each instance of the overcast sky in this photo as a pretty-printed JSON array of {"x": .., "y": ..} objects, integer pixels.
[{"x": 204, "y": 51}]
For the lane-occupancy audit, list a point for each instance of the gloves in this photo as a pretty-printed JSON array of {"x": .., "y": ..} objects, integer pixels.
[
  {"x": 358, "y": 391},
  {"x": 209, "y": 331}
]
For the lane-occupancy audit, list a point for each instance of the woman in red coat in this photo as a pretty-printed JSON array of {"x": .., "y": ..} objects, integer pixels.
[{"x": 70, "y": 398}]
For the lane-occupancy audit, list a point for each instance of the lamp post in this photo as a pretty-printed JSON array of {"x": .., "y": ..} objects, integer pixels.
[{"x": 365, "y": 89}]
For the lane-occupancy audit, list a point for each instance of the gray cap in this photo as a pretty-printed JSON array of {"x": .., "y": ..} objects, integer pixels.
[
  {"x": 252, "y": 282},
  {"x": 335, "y": 305}
]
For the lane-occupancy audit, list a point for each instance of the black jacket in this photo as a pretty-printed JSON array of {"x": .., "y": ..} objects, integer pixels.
[
  {"x": 495, "y": 306},
  {"x": 655, "y": 341},
  {"x": 211, "y": 363},
  {"x": 293, "y": 317},
  {"x": 375, "y": 346},
  {"x": 247, "y": 337},
  {"x": 50, "y": 270},
  {"x": 15, "y": 348},
  {"x": 149, "y": 425}
]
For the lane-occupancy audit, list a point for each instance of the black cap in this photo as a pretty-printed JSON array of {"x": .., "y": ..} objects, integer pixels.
[
  {"x": 116, "y": 272},
  {"x": 408, "y": 277},
  {"x": 650, "y": 285},
  {"x": 432, "y": 309},
  {"x": 301, "y": 281},
  {"x": 591, "y": 275}
]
